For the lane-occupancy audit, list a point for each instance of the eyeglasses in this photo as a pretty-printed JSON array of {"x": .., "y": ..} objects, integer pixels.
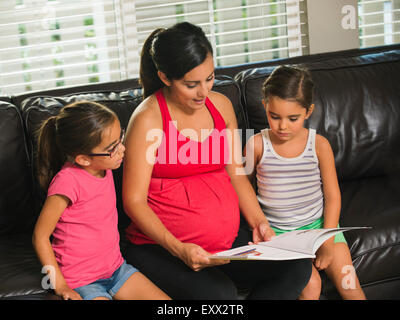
[{"x": 113, "y": 151}]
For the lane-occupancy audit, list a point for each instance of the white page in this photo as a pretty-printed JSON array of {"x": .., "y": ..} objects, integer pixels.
[
  {"x": 297, "y": 244},
  {"x": 257, "y": 252},
  {"x": 296, "y": 240},
  {"x": 304, "y": 241}
]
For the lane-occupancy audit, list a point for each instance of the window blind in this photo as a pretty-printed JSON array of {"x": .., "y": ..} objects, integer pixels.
[
  {"x": 240, "y": 30},
  {"x": 47, "y": 43},
  {"x": 379, "y": 22},
  {"x": 56, "y": 43}
]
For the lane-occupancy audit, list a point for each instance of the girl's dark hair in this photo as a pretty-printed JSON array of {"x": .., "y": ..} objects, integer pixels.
[
  {"x": 77, "y": 129},
  {"x": 173, "y": 51},
  {"x": 290, "y": 83}
]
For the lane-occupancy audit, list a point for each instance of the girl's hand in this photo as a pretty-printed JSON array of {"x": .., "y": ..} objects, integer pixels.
[
  {"x": 324, "y": 255},
  {"x": 67, "y": 293},
  {"x": 196, "y": 258},
  {"x": 262, "y": 232}
]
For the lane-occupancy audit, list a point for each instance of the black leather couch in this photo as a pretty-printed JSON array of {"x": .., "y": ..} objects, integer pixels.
[{"x": 357, "y": 103}]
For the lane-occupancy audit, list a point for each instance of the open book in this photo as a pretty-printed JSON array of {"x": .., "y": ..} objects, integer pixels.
[{"x": 297, "y": 244}]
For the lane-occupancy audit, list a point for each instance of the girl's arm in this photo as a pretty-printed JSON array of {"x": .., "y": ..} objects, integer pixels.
[
  {"x": 332, "y": 198},
  {"x": 330, "y": 184},
  {"x": 140, "y": 154},
  {"x": 51, "y": 212},
  {"x": 248, "y": 202}
]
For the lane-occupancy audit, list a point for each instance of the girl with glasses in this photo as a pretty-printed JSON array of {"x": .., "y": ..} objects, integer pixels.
[{"x": 77, "y": 151}]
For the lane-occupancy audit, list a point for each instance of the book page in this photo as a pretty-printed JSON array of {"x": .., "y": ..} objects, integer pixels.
[
  {"x": 304, "y": 241},
  {"x": 258, "y": 252},
  {"x": 296, "y": 244},
  {"x": 297, "y": 240}
]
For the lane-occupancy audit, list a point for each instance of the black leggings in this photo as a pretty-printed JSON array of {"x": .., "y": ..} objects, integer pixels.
[{"x": 262, "y": 279}]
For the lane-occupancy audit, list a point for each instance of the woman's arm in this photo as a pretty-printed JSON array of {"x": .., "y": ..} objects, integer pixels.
[
  {"x": 51, "y": 212},
  {"x": 248, "y": 202},
  {"x": 142, "y": 140}
]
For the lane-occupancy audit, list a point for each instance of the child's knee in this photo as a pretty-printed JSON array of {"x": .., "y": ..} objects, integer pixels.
[
  {"x": 315, "y": 281},
  {"x": 312, "y": 291}
]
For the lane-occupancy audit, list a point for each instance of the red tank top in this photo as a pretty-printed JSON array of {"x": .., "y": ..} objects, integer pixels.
[
  {"x": 179, "y": 156},
  {"x": 190, "y": 190}
]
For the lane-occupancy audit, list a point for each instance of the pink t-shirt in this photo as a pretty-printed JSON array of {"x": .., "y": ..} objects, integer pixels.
[{"x": 86, "y": 238}]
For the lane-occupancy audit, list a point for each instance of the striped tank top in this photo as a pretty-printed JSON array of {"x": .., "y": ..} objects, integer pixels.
[{"x": 290, "y": 189}]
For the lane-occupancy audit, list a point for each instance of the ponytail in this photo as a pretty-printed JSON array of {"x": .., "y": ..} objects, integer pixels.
[
  {"x": 50, "y": 158},
  {"x": 148, "y": 75}
]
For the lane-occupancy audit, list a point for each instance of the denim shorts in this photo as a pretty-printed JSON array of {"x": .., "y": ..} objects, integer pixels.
[{"x": 107, "y": 287}]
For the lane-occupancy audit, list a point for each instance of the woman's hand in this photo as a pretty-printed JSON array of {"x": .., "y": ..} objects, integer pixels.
[
  {"x": 324, "y": 255},
  {"x": 262, "y": 232},
  {"x": 196, "y": 258}
]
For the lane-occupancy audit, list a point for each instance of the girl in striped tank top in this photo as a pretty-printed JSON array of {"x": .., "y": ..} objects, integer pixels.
[{"x": 296, "y": 177}]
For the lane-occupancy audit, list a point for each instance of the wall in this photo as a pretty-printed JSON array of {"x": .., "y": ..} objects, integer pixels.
[{"x": 332, "y": 25}]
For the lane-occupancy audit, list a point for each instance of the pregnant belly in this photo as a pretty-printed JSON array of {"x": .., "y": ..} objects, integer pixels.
[{"x": 201, "y": 209}]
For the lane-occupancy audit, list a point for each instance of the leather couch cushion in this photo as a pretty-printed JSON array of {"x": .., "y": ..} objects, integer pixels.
[
  {"x": 375, "y": 252},
  {"x": 230, "y": 88},
  {"x": 374, "y": 202},
  {"x": 17, "y": 211},
  {"x": 20, "y": 269},
  {"x": 38, "y": 108},
  {"x": 357, "y": 108}
]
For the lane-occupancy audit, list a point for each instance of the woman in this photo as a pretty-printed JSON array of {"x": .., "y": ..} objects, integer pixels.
[{"x": 184, "y": 189}]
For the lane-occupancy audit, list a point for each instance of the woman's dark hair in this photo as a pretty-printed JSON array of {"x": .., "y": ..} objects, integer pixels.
[
  {"x": 290, "y": 83},
  {"x": 173, "y": 51},
  {"x": 77, "y": 129}
]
